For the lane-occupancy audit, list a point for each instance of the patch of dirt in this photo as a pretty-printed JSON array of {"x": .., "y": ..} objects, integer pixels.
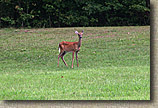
[
  {"x": 102, "y": 36},
  {"x": 99, "y": 37}
]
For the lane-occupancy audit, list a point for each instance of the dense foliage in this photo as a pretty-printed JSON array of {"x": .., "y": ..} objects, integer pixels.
[{"x": 61, "y": 13}]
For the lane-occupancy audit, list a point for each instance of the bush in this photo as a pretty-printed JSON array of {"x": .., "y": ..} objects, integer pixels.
[{"x": 61, "y": 13}]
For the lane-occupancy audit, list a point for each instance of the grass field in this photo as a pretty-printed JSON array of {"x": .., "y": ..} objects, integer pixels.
[{"x": 114, "y": 64}]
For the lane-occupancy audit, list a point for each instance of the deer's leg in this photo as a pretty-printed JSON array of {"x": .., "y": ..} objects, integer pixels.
[
  {"x": 77, "y": 58},
  {"x": 60, "y": 54},
  {"x": 62, "y": 57},
  {"x": 72, "y": 58}
]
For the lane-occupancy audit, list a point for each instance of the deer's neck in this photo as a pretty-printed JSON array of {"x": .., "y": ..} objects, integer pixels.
[{"x": 79, "y": 42}]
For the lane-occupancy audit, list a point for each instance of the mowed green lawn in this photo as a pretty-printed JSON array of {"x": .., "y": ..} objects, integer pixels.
[{"x": 114, "y": 64}]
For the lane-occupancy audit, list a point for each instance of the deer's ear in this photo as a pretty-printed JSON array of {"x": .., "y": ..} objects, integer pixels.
[{"x": 76, "y": 32}]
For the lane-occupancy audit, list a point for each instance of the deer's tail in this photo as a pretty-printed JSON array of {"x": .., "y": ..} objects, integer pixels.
[{"x": 59, "y": 48}]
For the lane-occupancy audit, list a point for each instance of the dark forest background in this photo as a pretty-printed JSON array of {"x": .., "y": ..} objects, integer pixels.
[{"x": 76, "y": 13}]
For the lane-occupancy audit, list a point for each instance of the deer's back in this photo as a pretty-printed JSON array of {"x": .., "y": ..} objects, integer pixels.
[{"x": 69, "y": 46}]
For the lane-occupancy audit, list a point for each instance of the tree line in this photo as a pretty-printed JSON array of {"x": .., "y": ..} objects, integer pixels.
[{"x": 76, "y": 13}]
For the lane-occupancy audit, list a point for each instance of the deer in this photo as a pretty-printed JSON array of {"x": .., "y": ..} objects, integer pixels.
[{"x": 73, "y": 47}]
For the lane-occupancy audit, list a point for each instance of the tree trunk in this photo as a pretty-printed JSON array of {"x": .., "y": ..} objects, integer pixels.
[{"x": 148, "y": 3}]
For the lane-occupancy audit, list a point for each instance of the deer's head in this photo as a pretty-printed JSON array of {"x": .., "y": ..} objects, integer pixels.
[{"x": 79, "y": 34}]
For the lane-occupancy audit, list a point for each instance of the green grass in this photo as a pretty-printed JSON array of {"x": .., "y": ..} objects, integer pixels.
[{"x": 113, "y": 64}]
